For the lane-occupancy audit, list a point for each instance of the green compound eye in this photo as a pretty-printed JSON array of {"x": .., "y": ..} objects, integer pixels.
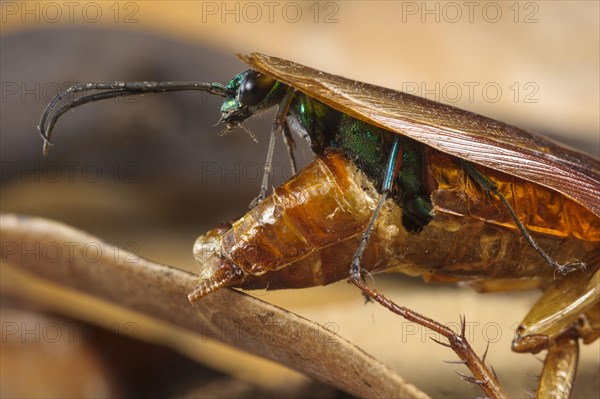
[{"x": 254, "y": 88}]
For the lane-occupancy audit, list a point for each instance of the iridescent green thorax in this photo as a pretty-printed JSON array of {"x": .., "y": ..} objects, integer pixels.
[{"x": 367, "y": 146}]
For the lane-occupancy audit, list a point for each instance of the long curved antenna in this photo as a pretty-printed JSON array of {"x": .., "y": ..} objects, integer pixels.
[{"x": 111, "y": 90}]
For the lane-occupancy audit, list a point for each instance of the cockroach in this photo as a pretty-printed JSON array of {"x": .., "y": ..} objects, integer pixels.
[{"x": 394, "y": 171}]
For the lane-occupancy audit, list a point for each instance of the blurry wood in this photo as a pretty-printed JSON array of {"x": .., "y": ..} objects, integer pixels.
[
  {"x": 69, "y": 357},
  {"x": 226, "y": 388},
  {"x": 44, "y": 356},
  {"x": 160, "y": 291}
]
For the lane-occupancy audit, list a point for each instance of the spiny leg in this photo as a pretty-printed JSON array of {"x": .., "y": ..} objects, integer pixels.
[
  {"x": 489, "y": 186},
  {"x": 278, "y": 124},
  {"x": 458, "y": 342}
]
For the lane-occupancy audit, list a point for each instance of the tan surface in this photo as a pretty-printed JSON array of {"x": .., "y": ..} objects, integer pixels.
[{"x": 551, "y": 44}]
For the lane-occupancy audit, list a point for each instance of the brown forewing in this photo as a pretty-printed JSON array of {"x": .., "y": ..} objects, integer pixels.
[{"x": 463, "y": 134}]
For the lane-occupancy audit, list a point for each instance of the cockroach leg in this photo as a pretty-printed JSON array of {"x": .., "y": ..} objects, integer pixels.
[
  {"x": 458, "y": 342},
  {"x": 560, "y": 367}
]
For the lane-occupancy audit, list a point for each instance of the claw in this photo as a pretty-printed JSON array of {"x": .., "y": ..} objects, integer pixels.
[
  {"x": 576, "y": 264},
  {"x": 564, "y": 270},
  {"x": 570, "y": 266}
]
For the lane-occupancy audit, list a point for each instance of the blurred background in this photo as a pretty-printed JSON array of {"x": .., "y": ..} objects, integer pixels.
[{"x": 152, "y": 173}]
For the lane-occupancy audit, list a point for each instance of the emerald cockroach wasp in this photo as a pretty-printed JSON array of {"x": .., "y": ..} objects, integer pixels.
[{"x": 390, "y": 169}]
